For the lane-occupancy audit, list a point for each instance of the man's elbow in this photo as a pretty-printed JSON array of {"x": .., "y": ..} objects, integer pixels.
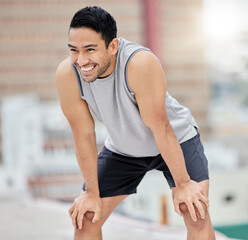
[{"x": 159, "y": 124}]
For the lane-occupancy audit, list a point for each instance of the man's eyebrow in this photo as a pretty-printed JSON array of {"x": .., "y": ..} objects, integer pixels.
[
  {"x": 69, "y": 45},
  {"x": 86, "y": 46},
  {"x": 90, "y": 45}
]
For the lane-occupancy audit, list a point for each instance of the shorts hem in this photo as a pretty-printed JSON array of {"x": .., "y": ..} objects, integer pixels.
[
  {"x": 199, "y": 179},
  {"x": 111, "y": 194},
  {"x": 202, "y": 178}
]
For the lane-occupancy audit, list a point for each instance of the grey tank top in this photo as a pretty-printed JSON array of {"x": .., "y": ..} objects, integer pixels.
[{"x": 113, "y": 103}]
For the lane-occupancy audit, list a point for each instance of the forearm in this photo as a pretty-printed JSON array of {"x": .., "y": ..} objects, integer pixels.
[
  {"x": 171, "y": 152},
  {"x": 86, "y": 152},
  {"x": 89, "y": 200}
]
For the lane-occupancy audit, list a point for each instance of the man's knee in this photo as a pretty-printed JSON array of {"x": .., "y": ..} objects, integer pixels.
[
  {"x": 88, "y": 228},
  {"x": 183, "y": 207},
  {"x": 88, "y": 216},
  {"x": 200, "y": 223}
]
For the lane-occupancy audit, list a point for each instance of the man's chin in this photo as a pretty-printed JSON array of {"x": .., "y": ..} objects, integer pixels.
[{"x": 90, "y": 80}]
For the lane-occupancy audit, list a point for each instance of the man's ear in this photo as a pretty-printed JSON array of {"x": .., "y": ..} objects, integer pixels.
[{"x": 114, "y": 46}]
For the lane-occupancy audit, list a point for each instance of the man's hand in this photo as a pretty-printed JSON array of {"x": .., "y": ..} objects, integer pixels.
[
  {"x": 85, "y": 202},
  {"x": 192, "y": 195}
]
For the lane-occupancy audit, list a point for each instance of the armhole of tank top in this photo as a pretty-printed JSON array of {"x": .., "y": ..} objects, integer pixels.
[
  {"x": 125, "y": 71},
  {"x": 78, "y": 80}
]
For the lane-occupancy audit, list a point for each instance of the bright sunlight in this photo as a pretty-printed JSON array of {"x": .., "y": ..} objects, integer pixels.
[{"x": 222, "y": 20}]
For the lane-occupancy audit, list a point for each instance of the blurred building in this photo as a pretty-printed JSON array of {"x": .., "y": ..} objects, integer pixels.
[
  {"x": 33, "y": 41},
  {"x": 38, "y": 150}
]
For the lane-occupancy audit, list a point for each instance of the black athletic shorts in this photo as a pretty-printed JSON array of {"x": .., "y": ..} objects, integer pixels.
[{"x": 118, "y": 174}]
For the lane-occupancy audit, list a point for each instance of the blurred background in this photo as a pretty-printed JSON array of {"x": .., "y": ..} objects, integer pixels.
[{"x": 203, "y": 47}]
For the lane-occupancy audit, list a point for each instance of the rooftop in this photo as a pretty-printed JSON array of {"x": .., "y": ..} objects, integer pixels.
[{"x": 42, "y": 219}]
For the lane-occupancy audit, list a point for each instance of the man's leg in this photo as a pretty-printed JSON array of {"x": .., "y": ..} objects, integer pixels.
[
  {"x": 202, "y": 229},
  {"x": 92, "y": 231}
]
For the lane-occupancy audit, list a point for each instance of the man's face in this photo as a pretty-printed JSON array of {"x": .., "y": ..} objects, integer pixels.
[{"x": 89, "y": 53}]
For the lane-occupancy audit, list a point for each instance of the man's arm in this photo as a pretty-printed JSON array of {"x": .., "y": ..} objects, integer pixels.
[
  {"x": 82, "y": 124},
  {"x": 146, "y": 79}
]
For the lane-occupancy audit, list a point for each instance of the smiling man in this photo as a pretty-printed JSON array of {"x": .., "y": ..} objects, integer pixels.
[{"x": 124, "y": 86}]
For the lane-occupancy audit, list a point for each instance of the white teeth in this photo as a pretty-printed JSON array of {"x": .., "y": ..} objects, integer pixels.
[{"x": 87, "y": 69}]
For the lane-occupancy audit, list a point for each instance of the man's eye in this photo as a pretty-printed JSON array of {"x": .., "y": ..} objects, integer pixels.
[
  {"x": 73, "y": 50},
  {"x": 90, "y": 49}
]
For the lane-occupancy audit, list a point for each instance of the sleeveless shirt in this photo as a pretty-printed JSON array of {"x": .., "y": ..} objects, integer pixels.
[{"x": 113, "y": 103}]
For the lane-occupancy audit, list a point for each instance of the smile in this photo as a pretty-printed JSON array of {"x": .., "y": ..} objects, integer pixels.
[{"x": 87, "y": 69}]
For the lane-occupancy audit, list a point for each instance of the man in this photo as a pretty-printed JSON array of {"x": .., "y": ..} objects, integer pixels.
[{"x": 124, "y": 85}]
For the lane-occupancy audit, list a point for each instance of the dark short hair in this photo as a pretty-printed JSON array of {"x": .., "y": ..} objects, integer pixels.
[{"x": 98, "y": 20}]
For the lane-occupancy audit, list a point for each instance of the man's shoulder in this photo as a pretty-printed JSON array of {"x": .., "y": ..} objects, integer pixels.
[
  {"x": 64, "y": 69},
  {"x": 65, "y": 78},
  {"x": 142, "y": 68},
  {"x": 143, "y": 59}
]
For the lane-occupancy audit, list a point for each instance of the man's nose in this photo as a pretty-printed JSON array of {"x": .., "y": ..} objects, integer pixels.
[{"x": 82, "y": 60}]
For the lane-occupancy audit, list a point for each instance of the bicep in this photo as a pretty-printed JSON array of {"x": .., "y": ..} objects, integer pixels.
[
  {"x": 74, "y": 108},
  {"x": 147, "y": 80}
]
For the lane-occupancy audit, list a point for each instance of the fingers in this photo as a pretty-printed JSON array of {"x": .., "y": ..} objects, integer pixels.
[
  {"x": 177, "y": 209},
  {"x": 200, "y": 209},
  {"x": 97, "y": 216},
  {"x": 196, "y": 209},
  {"x": 85, "y": 203},
  {"x": 80, "y": 218},
  {"x": 202, "y": 199},
  {"x": 74, "y": 217},
  {"x": 192, "y": 211},
  {"x": 205, "y": 200},
  {"x": 71, "y": 209},
  {"x": 77, "y": 216},
  {"x": 73, "y": 214},
  {"x": 193, "y": 198}
]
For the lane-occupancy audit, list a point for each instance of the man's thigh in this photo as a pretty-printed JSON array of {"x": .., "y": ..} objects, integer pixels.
[
  {"x": 109, "y": 204},
  {"x": 205, "y": 186},
  {"x": 119, "y": 175}
]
